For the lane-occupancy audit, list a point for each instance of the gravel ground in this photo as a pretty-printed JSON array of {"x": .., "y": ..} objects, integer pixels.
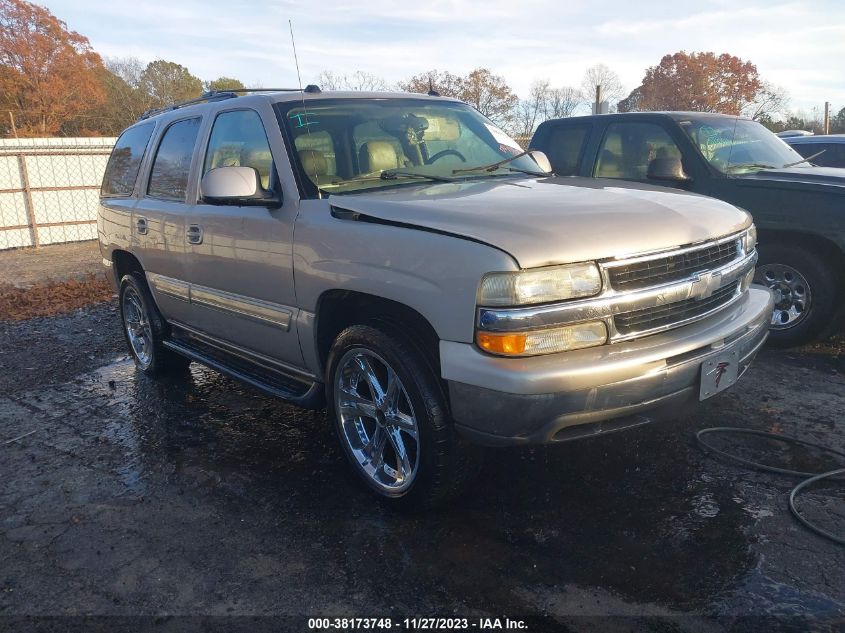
[
  {"x": 199, "y": 496},
  {"x": 24, "y": 267}
]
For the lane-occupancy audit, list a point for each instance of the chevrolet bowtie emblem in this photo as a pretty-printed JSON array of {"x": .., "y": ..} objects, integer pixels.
[{"x": 705, "y": 285}]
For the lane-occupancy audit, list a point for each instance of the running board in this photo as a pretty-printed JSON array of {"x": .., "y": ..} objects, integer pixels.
[{"x": 293, "y": 389}]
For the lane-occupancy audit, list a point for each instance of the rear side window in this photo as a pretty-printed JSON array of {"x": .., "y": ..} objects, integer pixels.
[
  {"x": 565, "y": 147},
  {"x": 169, "y": 176},
  {"x": 125, "y": 161}
]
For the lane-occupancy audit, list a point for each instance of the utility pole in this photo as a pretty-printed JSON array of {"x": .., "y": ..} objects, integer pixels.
[
  {"x": 827, "y": 117},
  {"x": 598, "y": 100},
  {"x": 12, "y": 119}
]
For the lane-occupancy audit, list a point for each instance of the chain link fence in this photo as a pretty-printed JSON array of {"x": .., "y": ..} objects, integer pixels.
[{"x": 49, "y": 189}]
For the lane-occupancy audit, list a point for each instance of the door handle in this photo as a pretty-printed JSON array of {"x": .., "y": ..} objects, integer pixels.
[
  {"x": 141, "y": 226},
  {"x": 194, "y": 234}
]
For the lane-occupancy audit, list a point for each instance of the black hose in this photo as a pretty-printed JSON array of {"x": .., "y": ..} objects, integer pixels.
[
  {"x": 812, "y": 477},
  {"x": 832, "y": 473}
]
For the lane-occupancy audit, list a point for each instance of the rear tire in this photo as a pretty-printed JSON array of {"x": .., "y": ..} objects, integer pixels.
[
  {"x": 145, "y": 329},
  {"x": 806, "y": 293},
  {"x": 392, "y": 420}
]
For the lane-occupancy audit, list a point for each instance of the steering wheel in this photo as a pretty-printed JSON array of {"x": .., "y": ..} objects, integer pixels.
[{"x": 445, "y": 152}]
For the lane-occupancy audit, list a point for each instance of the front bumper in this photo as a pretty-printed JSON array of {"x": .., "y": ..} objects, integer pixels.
[{"x": 498, "y": 401}]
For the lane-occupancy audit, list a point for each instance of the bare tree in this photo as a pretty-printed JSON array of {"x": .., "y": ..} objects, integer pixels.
[
  {"x": 531, "y": 111},
  {"x": 771, "y": 100},
  {"x": 359, "y": 80},
  {"x": 128, "y": 69},
  {"x": 562, "y": 102},
  {"x": 603, "y": 77}
]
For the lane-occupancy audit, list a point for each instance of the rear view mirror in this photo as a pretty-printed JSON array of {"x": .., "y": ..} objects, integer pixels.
[
  {"x": 542, "y": 160},
  {"x": 670, "y": 169},
  {"x": 237, "y": 186}
]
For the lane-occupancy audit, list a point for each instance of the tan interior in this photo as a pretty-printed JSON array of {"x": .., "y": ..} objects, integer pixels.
[
  {"x": 377, "y": 156},
  {"x": 314, "y": 163}
]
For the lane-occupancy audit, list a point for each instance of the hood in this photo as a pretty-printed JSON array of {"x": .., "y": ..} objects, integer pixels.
[
  {"x": 808, "y": 178},
  {"x": 554, "y": 220}
]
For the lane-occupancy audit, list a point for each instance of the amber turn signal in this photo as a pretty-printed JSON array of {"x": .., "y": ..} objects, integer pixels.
[{"x": 510, "y": 344}]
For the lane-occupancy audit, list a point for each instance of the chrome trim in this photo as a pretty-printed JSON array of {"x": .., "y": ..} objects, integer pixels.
[
  {"x": 671, "y": 252},
  {"x": 256, "y": 309},
  {"x": 612, "y": 302},
  {"x": 169, "y": 286}
]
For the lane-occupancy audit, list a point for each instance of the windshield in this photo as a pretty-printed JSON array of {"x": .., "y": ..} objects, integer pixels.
[
  {"x": 352, "y": 145},
  {"x": 736, "y": 146}
]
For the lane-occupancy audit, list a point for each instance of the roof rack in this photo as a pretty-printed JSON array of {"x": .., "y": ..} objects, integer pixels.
[{"x": 219, "y": 95}]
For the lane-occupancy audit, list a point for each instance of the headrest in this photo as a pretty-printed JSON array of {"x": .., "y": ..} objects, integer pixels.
[
  {"x": 377, "y": 156},
  {"x": 313, "y": 162}
]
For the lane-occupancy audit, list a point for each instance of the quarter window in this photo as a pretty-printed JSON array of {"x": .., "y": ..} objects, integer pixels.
[
  {"x": 169, "y": 177},
  {"x": 238, "y": 139},
  {"x": 565, "y": 147},
  {"x": 628, "y": 148},
  {"x": 125, "y": 161}
]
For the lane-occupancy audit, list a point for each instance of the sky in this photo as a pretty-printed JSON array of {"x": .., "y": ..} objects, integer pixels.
[{"x": 797, "y": 45}]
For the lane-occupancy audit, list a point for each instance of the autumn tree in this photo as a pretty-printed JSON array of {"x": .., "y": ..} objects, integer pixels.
[
  {"x": 442, "y": 82},
  {"x": 124, "y": 100},
  {"x": 701, "y": 82},
  {"x": 224, "y": 83},
  {"x": 48, "y": 74},
  {"x": 359, "y": 80},
  {"x": 168, "y": 82},
  {"x": 488, "y": 93}
]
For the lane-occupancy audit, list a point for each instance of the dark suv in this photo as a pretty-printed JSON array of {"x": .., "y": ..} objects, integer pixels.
[{"x": 799, "y": 208}]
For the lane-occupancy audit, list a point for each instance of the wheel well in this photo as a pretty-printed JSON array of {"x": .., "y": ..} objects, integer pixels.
[
  {"x": 829, "y": 251},
  {"x": 338, "y": 309},
  {"x": 124, "y": 263}
]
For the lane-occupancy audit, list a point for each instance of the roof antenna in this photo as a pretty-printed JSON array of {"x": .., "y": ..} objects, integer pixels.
[
  {"x": 304, "y": 109},
  {"x": 431, "y": 91}
]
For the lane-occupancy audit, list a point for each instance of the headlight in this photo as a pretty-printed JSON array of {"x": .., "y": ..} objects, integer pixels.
[
  {"x": 540, "y": 285},
  {"x": 546, "y": 341},
  {"x": 750, "y": 239}
]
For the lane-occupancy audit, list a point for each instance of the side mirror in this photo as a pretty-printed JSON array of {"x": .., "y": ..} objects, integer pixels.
[
  {"x": 670, "y": 169},
  {"x": 542, "y": 160},
  {"x": 236, "y": 186}
]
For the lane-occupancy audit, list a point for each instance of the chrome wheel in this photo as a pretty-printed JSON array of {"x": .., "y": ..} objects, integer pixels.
[
  {"x": 791, "y": 290},
  {"x": 377, "y": 420},
  {"x": 138, "y": 329}
]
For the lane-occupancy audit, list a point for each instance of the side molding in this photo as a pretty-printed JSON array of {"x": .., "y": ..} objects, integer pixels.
[{"x": 240, "y": 305}]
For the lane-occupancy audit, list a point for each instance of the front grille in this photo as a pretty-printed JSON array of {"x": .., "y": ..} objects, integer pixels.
[
  {"x": 655, "y": 272},
  {"x": 660, "y": 316}
]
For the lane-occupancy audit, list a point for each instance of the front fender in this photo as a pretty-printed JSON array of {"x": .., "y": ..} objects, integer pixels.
[{"x": 435, "y": 274}]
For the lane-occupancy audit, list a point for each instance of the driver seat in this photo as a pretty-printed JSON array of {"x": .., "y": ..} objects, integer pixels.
[{"x": 377, "y": 156}]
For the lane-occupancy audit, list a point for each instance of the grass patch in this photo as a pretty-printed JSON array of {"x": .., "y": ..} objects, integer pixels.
[{"x": 55, "y": 297}]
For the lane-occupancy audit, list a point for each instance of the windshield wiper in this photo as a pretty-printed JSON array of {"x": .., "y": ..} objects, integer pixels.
[
  {"x": 393, "y": 175},
  {"x": 495, "y": 166},
  {"x": 748, "y": 165},
  {"x": 804, "y": 160}
]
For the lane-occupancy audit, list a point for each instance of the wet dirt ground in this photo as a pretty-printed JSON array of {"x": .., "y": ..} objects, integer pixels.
[{"x": 198, "y": 495}]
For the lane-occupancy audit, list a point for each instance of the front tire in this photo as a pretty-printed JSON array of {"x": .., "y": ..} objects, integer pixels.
[
  {"x": 145, "y": 329},
  {"x": 805, "y": 291},
  {"x": 392, "y": 420}
]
